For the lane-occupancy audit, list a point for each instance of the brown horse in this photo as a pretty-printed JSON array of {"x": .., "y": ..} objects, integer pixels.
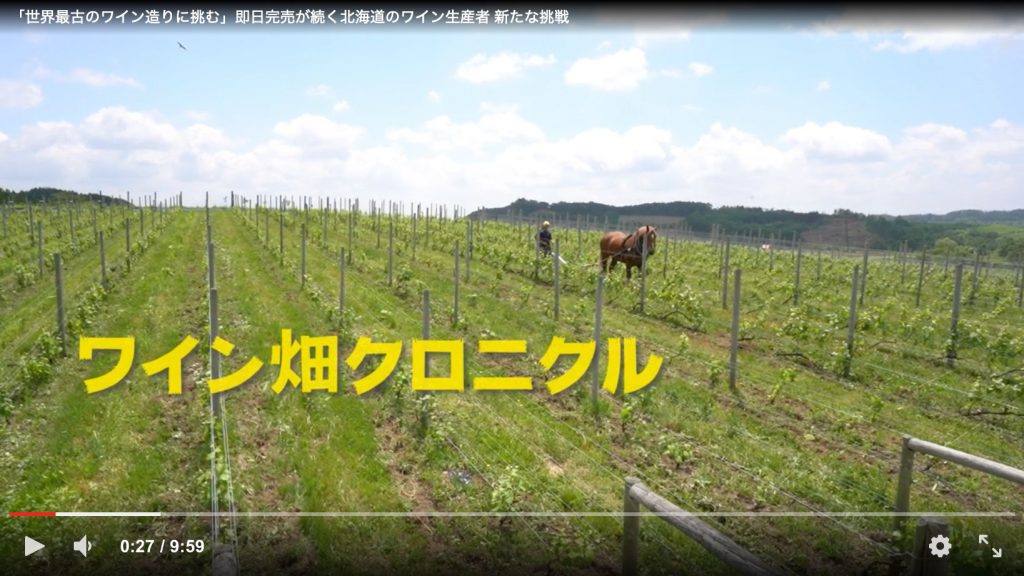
[{"x": 618, "y": 247}]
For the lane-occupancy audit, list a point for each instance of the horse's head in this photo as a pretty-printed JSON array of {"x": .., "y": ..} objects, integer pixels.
[{"x": 647, "y": 235}]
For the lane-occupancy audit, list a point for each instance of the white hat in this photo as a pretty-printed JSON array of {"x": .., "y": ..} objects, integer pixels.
[{"x": 546, "y": 224}]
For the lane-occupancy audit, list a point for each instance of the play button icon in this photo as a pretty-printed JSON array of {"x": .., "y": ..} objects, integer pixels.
[{"x": 31, "y": 546}]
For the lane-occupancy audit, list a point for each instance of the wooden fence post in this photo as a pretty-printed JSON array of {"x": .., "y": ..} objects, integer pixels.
[
  {"x": 903, "y": 485},
  {"x": 923, "y": 562},
  {"x": 630, "y": 531}
]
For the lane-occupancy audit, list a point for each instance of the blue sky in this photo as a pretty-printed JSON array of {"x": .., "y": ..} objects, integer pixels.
[{"x": 899, "y": 116}]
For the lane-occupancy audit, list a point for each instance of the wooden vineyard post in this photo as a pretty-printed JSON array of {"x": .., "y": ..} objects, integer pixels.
[
  {"x": 455, "y": 285},
  {"x": 61, "y": 318},
  {"x": 351, "y": 225},
  {"x": 103, "y": 261},
  {"x": 974, "y": 279},
  {"x": 920, "y": 281},
  {"x": 469, "y": 247},
  {"x": 424, "y": 415},
  {"x": 558, "y": 266},
  {"x": 1020, "y": 289},
  {"x": 734, "y": 341},
  {"x": 664, "y": 259},
  {"x": 391, "y": 250},
  {"x": 214, "y": 355},
  {"x": 725, "y": 276},
  {"x": 852, "y": 325},
  {"x": 864, "y": 275},
  {"x": 595, "y": 370},
  {"x": 128, "y": 243},
  {"x": 341, "y": 288},
  {"x": 39, "y": 248},
  {"x": 643, "y": 275},
  {"x": 796, "y": 279},
  {"x": 951, "y": 348}
]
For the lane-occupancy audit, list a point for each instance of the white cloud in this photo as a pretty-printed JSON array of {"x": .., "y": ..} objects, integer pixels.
[
  {"x": 824, "y": 86},
  {"x": 317, "y": 135},
  {"x": 646, "y": 38},
  {"x": 87, "y": 76},
  {"x": 3, "y": 138},
  {"x": 101, "y": 79},
  {"x": 723, "y": 149},
  {"x": 503, "y": 66},
  {"x": 434, "y": 96},
  {"x": 118, "y": 128},
  {"x": 836, "y": 141},
  {"x": 937, "y": 41},
  {"x": 700, "y": 69},
  {"x": 933, "y": 135},
  {"x": 907, "y": 33},
  {"x": 341, "y": 106},
  {"x": 500, "y": 155},
  {"x": 19, "y": 95},
  {"x": 113, "y": 145},
  {"x": 318, "y": 91},
  {"x": 498, "y": 124},
  {"x": 620, "y": 71},
  {"x": 691, "y": 108}
]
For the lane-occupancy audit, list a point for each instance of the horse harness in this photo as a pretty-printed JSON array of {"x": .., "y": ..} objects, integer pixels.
[{"x": 637, "y": 248}]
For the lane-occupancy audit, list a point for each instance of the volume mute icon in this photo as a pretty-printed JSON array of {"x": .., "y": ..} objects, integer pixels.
[
  {"x": 83, "y": 546},
  {"x": 31, "y": 546}
]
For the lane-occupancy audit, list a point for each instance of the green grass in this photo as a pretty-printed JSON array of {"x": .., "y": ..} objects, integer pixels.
[
  {"x": 794, "y": 437},
  {"x": 129, "y": 448}
]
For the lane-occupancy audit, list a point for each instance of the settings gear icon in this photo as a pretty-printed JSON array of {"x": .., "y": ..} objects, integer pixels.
[{"x": 940, "y": 546}]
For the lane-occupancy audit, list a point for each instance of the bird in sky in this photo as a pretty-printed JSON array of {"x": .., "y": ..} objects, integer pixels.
[{"x": 182, "y": 46}]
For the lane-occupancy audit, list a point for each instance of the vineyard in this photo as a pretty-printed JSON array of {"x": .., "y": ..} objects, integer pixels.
[{"x": 810, "y": 419}]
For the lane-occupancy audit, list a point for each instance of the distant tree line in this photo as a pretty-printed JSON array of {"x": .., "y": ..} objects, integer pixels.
[
  {"x": 1005, "y": 240},
  {"x": 53, "y": 196}
]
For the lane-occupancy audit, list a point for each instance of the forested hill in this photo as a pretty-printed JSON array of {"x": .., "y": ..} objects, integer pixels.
[
  {"x": 999, "y": 233},
  {"x": 1008, "y": 217},
  {"x": 53, "y": 196}
]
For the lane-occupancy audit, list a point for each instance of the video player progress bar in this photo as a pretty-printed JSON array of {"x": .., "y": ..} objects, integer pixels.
[{"x": 484, "y": 514}]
